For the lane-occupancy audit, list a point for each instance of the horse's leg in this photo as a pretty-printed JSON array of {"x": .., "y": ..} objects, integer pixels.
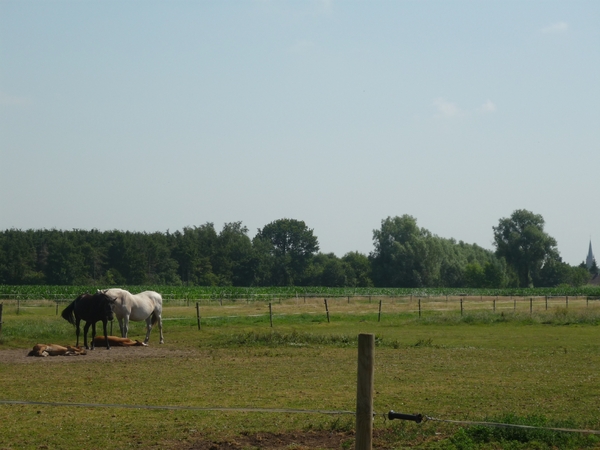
[
  {"x": 106, "y": 334},
  {"x": 162, "y": 339},
  {"x": 121, "y": 329},
  {"x": 125, "y": 325},
  {"x": 85, "y": 332},
  {"x": 93, "y": 335},
  {"x": 77, "y": 321},
  {"x": 148, "y": 328}
]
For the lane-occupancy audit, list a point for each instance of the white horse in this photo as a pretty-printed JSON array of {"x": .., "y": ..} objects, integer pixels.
[{"x": 146, "y": 306}]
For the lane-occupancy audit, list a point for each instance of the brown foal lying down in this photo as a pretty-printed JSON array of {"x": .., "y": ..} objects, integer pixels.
[
  {"x": 55, "y": 350},
  {"x": 118, "y": 341}
]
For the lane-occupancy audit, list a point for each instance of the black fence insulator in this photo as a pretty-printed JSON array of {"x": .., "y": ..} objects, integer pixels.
[{"x": 414, "y": 417}]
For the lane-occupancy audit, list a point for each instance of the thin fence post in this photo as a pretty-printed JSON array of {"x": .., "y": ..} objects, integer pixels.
[
  {"x": 18, "y": 306},
  {"x": 546, "y": 303},
  {"x": 364, "y": 392},
  {"x": 566, "y": 301},
  {"x": 379, "y": 316},
  {"x": 587, "y": 301},
  {"x": 198, "y": 313},
  {"x": 530, "y": 305},
  {"x": 494, "y": 305},
  {"x": 326, "y": 309},
  {"x": 419, "y": 308},
  {"x": 461, "y": 306},
  {"x": 1, "y": 306},
  {"x": 270, "y": 314},
  {"x": 515, "y": 305}
]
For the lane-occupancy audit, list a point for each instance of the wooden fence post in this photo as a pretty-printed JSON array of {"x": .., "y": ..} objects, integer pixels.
[
  {"x": 461, "y": 306},
  {"x": 546, "y": 303},
  {"x": 326, "y": 309},
  {"x": 494, "y": 305},
  {"x": 379, "y": 316},
  {"x": 198, "y": 313},
  {"x": 566, "y": 301},
  {"x": 271, "y": 314},
  {"x": 364, "y": 392},
  {"x": 419, "y": 308},
  {"x": 530, "y": 305},
  {"x": 1, "y": 306}
]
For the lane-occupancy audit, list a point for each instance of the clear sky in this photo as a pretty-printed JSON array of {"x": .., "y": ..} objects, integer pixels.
[{"x": 152, "y": 116}]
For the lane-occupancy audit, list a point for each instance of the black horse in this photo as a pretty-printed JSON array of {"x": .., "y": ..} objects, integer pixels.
[{"x": 91, "y": 309}]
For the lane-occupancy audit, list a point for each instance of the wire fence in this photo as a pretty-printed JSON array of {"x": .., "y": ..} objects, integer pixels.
[{"x": 382, "y": 306}]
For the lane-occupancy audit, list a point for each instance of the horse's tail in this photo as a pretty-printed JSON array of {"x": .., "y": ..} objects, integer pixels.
[
  {"x": 69, "y": 313},
  {"x": 154, "y": 318}
]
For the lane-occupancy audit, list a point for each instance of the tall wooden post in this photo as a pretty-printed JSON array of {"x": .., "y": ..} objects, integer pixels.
[
  {"x": 198, "y": 313},
  {"x": 271, "y": 314},
  {"x": 1, "y": 305},
  {"x": 379, "y": 315},
  {"x": 326, "y": 309},
  {"x": 364, "y": 392}
]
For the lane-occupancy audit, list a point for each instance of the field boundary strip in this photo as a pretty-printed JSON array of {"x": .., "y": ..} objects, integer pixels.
[
  {"x": 176, "y": 407},
  {"x": 286, "y": 411},
  {"x": 512, "y": 425}
]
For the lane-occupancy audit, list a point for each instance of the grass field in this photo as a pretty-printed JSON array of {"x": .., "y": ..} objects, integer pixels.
[{"x": 522, "y": 363}]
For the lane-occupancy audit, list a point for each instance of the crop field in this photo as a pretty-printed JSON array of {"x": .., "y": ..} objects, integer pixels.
[{"x": 282, "y": 374}]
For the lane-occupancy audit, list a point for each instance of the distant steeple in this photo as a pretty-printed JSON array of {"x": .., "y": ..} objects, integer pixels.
[{"x": 589, "y": 261}]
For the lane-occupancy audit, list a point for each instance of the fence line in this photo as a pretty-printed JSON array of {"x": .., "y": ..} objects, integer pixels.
[
  {"x": 396, "y": 305},
  {"x": 385, "y": 416}
]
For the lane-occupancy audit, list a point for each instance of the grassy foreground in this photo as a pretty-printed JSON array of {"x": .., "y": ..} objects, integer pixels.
[{"x": 539, "y": 369}]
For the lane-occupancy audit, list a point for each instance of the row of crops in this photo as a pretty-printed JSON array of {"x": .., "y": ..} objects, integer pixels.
[{"x": 257, "y": 293}]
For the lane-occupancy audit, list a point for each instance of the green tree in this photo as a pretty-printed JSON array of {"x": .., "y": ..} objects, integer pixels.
[
  {"x": 359, "y": 269},
  {"x": 233, "y": 255},
  {"x": 405, "y": 255},
  {"x": 292, "y": 245},
  {"x": 473, "y": 275},
  {"x": 194, "y": 250},
  {"x": 522, "y": 241}
]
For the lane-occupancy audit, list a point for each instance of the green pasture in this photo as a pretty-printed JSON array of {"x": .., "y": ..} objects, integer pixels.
[{"x": 523, "y": 364}]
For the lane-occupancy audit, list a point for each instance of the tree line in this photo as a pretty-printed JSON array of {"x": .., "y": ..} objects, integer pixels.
[{"x": 286, "y": 253}]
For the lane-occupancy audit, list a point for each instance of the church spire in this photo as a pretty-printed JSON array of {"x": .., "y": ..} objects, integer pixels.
[{"x": 589, "y": 261}]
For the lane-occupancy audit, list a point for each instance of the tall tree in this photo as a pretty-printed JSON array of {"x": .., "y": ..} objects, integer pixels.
[
  {"x": 522, "y": 241},
  {"x": 292, "y": 244},
  {"x": 404, "y": 254}
]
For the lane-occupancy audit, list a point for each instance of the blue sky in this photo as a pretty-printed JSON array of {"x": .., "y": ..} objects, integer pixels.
[{"x": 148, "y": 116}]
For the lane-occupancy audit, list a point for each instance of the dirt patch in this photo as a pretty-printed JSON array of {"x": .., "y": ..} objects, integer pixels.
[
  {"x": 277, "y": 441},
  {"x": 19, "y": 356}
]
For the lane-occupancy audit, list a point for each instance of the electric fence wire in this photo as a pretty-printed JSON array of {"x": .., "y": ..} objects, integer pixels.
[{"x": 287, "y": 411}]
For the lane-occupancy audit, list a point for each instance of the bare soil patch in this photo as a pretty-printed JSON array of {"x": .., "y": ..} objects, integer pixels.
[
  {"x": 277, "y": 441},
  {"x": 19, "y": 356}
]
